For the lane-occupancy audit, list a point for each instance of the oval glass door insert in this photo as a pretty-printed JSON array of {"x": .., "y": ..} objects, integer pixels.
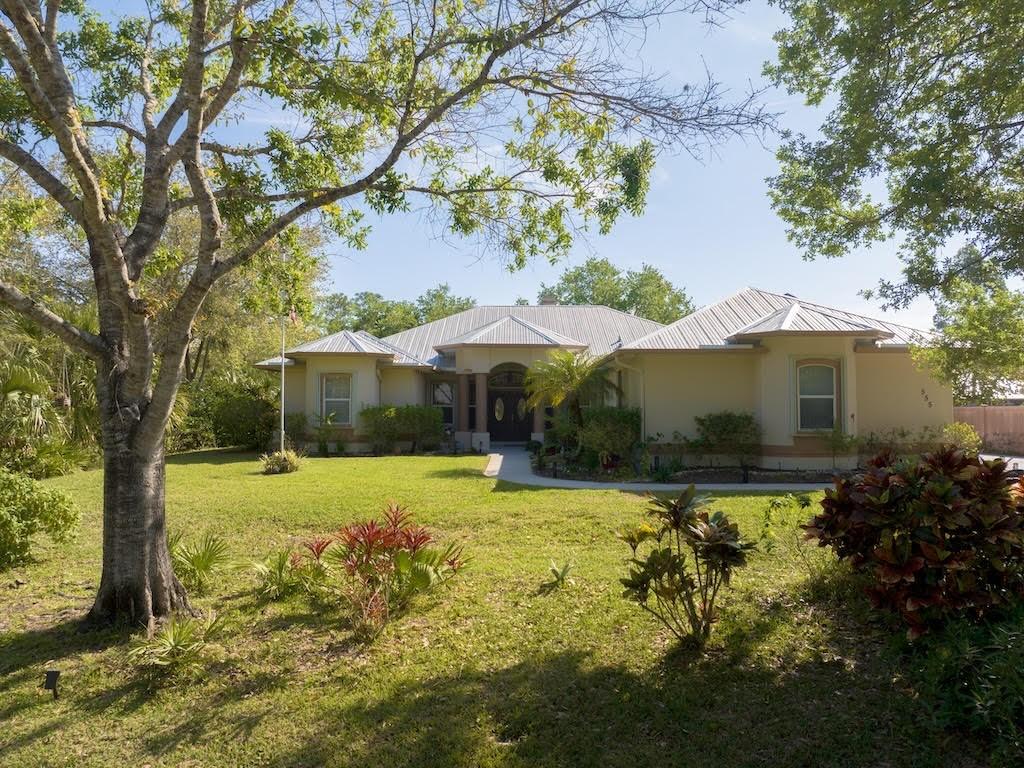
[
  {"x": 521, "y": 409},
  {"x": 499, "y": 408}
]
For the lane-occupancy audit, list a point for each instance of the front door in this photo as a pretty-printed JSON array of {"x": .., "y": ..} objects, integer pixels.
[{"x": 508, "y": 418}]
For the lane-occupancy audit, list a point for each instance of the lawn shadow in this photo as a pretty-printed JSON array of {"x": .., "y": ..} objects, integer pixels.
[
  {"x": 457, "y": 473},
  {"x": 565, "y": 709}
]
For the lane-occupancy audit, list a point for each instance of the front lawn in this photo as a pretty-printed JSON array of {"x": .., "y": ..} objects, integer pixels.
[{"x": 493, "y": 671}]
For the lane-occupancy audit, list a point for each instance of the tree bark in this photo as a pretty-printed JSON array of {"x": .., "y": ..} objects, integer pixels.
[{"x": 137, "y": 582}]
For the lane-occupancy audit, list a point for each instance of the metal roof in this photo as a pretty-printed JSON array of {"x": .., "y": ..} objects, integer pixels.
[
  {"x": 344, "y": 343},
  {"x": 754, "y": 309},
  {"x": 511, "y": 331},
  {"x": 274, "y": 363},
  {"x": 401, "y": 356},
  {"x": 600, "y": 329},
  {"x": 800, "y": 319}
]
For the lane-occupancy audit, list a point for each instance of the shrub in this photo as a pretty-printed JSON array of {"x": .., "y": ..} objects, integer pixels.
[
  {"x": 727, "y": 433},
  {"x": 176, "y": 646},
  {"x": 225, "y": 413},
  {"x": 295, "y": 426},
  {"x": 280, "y": 462},
  {"x": 941, "y": 535},
  {"x": 324, "y": 430},
  {"x": 372, "y": 569},
  {"x": 382, "y": 427},
  {"x": 680, "y": 596},
  {"x": 423, "y": 424},
  {"x": 196, "y": 564},
  {"x": 26, "y": 508},
  {"x": 276, "y": 577},
  {"x": 611, "y": 433},
  {"x": 972, "y": 677},
  {"x": 963, "y": 436}
]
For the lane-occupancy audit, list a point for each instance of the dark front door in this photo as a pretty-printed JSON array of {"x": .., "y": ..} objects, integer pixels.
[{"x": 508, "y": 418}]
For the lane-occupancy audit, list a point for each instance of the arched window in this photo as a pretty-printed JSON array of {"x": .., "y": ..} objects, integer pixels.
[{"x": 817, "y": 396}]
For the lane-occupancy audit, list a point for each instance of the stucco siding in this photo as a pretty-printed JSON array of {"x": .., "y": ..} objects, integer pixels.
[
  {"x": 402, "y": 386},
  {"x": 893, "y": 393},
  {"x": 777, "y": 383},
  {"x": 365, "y": 387},
  {"x": 483, "y": 360},
  {"x": 294, "y": 389},
  {"x": 678, "y": 387}
]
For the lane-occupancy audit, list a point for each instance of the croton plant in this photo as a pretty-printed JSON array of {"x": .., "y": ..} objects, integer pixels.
[{"x": 941, "y": 535}]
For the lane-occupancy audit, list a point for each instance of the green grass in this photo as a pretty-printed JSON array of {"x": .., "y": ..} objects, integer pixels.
[{"x": 493, "y": 671}]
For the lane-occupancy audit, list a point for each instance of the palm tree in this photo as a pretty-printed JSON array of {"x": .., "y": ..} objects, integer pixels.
[{"x": 571, "y": 378}]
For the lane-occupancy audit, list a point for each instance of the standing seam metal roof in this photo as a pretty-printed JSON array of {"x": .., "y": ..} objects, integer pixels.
[
  {"x": 715, "y": 324},
  {"x": 600, "y": 329},
  {"x": 511, "y": 331}
]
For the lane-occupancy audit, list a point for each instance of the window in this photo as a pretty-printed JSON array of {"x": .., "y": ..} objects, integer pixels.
[
  {"x": 442, "y": 395},
  {"x": 336, "y": 397},
  {"x": 816, "y": 395}
]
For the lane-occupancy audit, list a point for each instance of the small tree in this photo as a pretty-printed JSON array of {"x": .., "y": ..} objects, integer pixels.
[{"x": 572, "y": 378}]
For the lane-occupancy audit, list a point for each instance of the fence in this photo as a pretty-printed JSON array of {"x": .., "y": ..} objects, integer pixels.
[{"x": 1001, "y": 426}]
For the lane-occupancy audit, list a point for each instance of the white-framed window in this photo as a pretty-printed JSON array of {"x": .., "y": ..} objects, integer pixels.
[
  {"x": 336, "y": 397},
  {"x": 442, "y": 395},
  {"x": 817, "y": 396}
]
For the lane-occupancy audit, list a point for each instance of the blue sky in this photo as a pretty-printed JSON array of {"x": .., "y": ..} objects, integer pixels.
[{"x": 708, "y": 226}]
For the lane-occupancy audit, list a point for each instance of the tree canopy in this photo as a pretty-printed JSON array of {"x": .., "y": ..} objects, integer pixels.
[
  {"x": 923, "y": 142},
  {"x": 978, "y": 345},
  {"x": 369, "y": 311},
  {"x": 645, "y": 292}
]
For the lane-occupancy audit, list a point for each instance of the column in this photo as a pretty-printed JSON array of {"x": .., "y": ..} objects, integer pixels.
[
  {"x": 481, "y": 402},
  {"x": 538, "y": 423},
  {"x": 462, "y": 420}
]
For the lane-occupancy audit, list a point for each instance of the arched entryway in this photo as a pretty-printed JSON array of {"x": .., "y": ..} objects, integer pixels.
[{"x": 508, "y": 417}]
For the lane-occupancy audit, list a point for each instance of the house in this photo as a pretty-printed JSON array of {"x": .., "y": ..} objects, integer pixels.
[{"x": 802, "y": 368}]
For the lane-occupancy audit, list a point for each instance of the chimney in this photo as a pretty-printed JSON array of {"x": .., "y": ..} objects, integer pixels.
[{"x": 548, "y": 299}]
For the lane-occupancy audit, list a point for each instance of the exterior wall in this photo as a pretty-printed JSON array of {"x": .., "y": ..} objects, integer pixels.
[
  {"x": 365, "y": 385},
  {"x": 402, "y": 386},
  {"x": 673, "y": 388},
  {"x": 483, "y": 359},
  {"x": 777, "y": 400},
  {"x": 877, "y": 391},
  {"x": 294, "y": 389},
  {"x": 893, "y": 393}
]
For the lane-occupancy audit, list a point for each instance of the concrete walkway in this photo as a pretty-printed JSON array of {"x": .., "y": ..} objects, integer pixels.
[{"x": 513, "y": 466}]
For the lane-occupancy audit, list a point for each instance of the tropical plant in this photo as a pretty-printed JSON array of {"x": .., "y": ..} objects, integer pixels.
[
  {"x": 197, "y": 563},
  {"x": 570, "y": 378},
  {"x": 382, "y": 565},
  {"x": 682, "y": 594},
  {"x": 941, "y": 535},
  {"x": 276, "y": 577},
  {"x": 26, "y": 508},
  {"x": 280, "y": 462},
  {"x": 179, "y": 645}
]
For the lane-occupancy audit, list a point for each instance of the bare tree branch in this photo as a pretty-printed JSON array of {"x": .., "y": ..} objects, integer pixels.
[{"x": 70, "y": 334}]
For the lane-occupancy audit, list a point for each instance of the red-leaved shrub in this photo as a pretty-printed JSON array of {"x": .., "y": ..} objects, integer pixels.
[
  {"x": 941, "y": 535},
  {"x": 372, "y": 568}
]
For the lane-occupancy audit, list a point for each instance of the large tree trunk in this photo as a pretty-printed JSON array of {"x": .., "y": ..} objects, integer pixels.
[{"x": 138, "y": 584}]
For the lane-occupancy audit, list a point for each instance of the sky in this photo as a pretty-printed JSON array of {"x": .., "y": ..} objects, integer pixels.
[{"x": 708, "y": 226}]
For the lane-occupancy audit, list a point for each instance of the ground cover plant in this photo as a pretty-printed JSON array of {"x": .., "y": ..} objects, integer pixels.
[{"x": 495, "y": 674}]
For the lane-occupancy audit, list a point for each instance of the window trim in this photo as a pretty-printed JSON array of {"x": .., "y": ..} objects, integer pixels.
[
  {"x": 836, "y": 365},
  {"x": 351, "y": 396}
]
